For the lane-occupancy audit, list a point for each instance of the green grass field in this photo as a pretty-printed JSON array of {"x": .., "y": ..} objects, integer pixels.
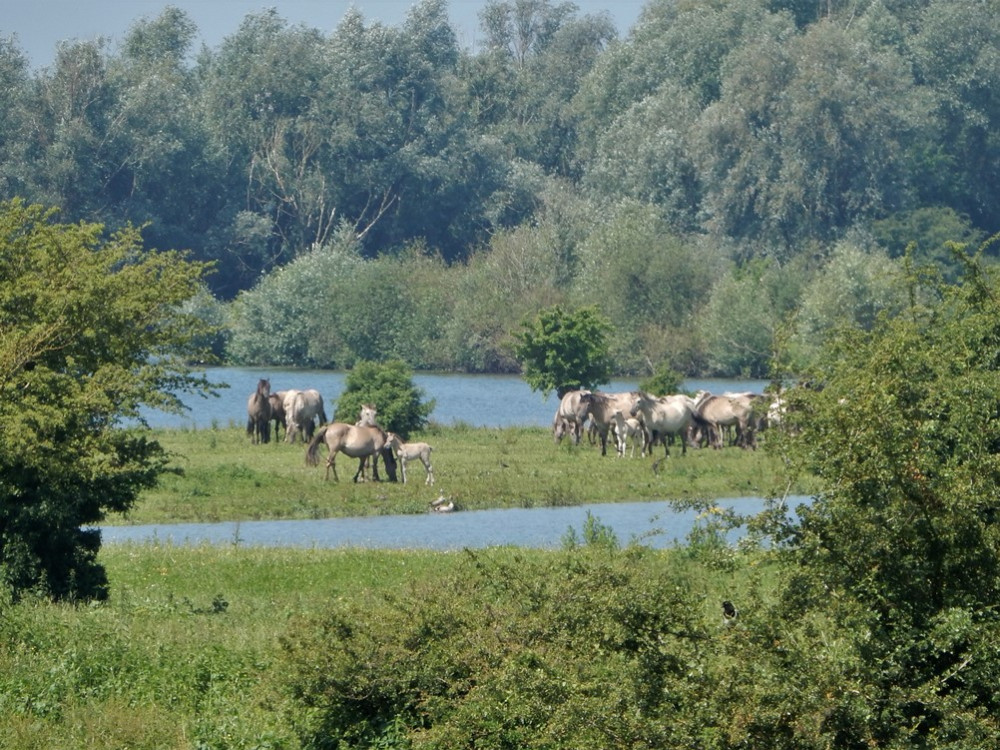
[
  {"x": 188, "y": 652},
  {"x": 225, "y": 478}
]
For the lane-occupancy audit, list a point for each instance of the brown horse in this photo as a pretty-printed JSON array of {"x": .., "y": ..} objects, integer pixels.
[
  {"x": 277, "y": 400},
  {"x": 259, "y": 413},
  {"x": 356, "y": 441}
]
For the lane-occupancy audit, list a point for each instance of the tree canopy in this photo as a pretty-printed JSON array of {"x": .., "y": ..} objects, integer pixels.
[
  {"x": 563, "y": 350},
  {"x": 91, "y": 332}
]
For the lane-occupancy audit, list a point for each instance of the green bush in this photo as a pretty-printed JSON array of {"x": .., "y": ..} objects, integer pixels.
[
  {"x": 589, "y": 648},
  {"x": 389, "y": 386}
]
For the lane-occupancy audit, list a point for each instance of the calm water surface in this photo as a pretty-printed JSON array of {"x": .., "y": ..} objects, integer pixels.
[
  {"x": 476, "y": 400},
  {"x": 654, "y": 524}
]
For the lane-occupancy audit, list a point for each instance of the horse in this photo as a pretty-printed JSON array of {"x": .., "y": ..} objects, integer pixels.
[
  {"x": 629, "y": 429},
  {"x": 727, "y": 411},
  {"x": 356, "y": 441},
  {"x": 665, "y": 417},
  {"x": 571, "y": 415},
  {"x": 302, "y": 408},
  {"x": 410, "y": 451},
  {"x": 277, "y": 401},
  {"x": 259, "y": 413},
  {"x": 602, "y": 412},
  {"x": 366, "y": 418}
]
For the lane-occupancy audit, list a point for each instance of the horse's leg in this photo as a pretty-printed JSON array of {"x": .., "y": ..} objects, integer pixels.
[
  {"x": 430, "y": 471},
  {"x": 402, "y": 466}
]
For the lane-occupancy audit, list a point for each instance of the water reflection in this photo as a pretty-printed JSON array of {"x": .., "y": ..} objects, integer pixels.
[{"x": 655, "y": 524}]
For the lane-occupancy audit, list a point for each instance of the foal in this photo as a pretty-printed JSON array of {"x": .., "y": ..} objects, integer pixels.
[{"x": 410, "y": 451}]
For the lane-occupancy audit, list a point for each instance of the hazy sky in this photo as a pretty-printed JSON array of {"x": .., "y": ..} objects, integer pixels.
[{"x": 39, "y": 25}]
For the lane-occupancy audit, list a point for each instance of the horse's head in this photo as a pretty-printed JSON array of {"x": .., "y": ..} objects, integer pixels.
[
  {"x": 264, "y": 387},
  {"x": 368, "y": 414}
]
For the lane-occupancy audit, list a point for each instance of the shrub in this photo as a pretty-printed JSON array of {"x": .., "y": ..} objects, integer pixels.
[{"x": 389, "y": 386}]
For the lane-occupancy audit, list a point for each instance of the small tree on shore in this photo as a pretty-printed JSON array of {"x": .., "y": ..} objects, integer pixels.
[
  {"x": 389, "y": 386},
  {"x": 562, "y": 351}
]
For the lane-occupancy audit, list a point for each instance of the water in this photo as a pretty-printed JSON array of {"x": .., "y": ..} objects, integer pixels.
[
  {"x": 654, "y": 524},
  {"x": 476, "y": 400}
]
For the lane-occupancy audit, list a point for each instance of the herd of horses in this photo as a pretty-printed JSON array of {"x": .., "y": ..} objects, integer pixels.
[
  {"x": 633, "y": 417},
  {"x": 642, "y": 419},
  {"x": 301, "y": 413}
]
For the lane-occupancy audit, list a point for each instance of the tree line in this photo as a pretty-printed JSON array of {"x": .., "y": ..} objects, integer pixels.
[{"x": 723, "y": 177}]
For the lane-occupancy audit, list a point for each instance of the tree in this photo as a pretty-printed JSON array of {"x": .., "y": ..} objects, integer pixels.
[
  {"x": 389, "y": 386},
  {"x": 91, "y": 330},
  {"x": 901, "y": 549},
  {"x": 563, "y": 351}
]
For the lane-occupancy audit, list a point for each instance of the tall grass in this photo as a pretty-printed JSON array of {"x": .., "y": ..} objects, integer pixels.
[{"x": 188, "y": 651}]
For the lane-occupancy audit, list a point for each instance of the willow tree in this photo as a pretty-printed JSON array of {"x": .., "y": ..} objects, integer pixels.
[{"x": 91, "y": 332}]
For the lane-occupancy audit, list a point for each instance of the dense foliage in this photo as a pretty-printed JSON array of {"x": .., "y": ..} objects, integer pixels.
[
  {"x": 90, "y": 331},
  {"x": 691, "y": 178},
  {"x": 389, "y": 386},
  {"x": 869, "y": 622},
  {"x": 563, "y": 351}
]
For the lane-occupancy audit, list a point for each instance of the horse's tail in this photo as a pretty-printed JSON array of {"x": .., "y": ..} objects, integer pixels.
[{"x": 311, "y": 458}]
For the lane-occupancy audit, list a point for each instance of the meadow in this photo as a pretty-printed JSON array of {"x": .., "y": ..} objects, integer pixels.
[
  {"x": 225, "y": 478},
  {"x": 202, "y": 646}
]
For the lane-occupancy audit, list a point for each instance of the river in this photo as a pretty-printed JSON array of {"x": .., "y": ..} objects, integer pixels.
[
  {"x": 475, "y": 400},
  {"x": 654, "y": 524}
]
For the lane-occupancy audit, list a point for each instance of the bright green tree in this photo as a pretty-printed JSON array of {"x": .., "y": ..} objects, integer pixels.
[
  {"x": 389, "y": 387},
  {"x": 91, "y": 331},
  {"x": 561, "y": 351}
]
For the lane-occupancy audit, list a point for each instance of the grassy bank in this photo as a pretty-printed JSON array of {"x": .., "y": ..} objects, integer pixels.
[
  {"x": 226, "y": 478},
  {"x": 189, "y": 651},
  {"x": 203, "y": 646},
  {"x": 184, "y": 655}
]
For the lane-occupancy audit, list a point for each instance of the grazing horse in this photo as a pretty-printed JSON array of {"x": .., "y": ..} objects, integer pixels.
[
  {"x": 302, "y": 409},
  {"x": 352, "y": 440},
  {"x": 366, "y": 418},
  {"x": 259, "y": 413},
  {"x": 720, "y": 412},
  {"x": 665, "y": 417},
  {"x": 277, "y": 400},
  {"x": 602, "y": 412},
  {"x": 571, "y": 415},
  {"x": 409, "y": 452}
]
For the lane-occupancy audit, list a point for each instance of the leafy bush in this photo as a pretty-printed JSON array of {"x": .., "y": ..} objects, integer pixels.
[
  {"x": 591, "y": 647},
  {"x": 389, "y": 386},
  {"x": 561, "y": 351}
]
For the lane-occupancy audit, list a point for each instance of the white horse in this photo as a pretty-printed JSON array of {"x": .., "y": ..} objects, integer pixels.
[
  {"x": 302, "y": 409},
  {"x": 571, "y": 415},
  {"x": 627, "y": 429},
  {"x": 410, "y": 451},
  {"x": 664, "y": 417}
]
